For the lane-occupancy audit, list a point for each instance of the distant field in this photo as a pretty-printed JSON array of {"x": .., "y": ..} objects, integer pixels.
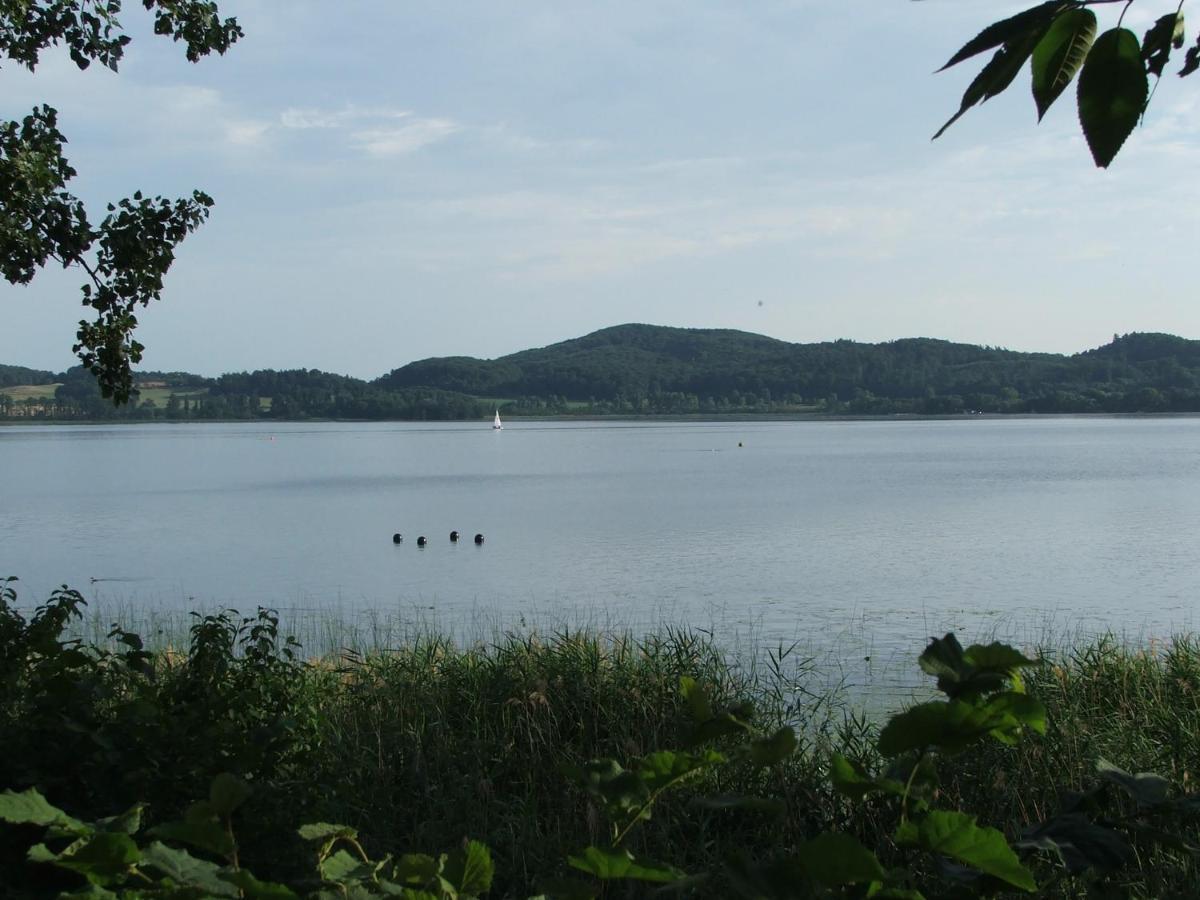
[
  {"x": 26, "y": 391},
  {"x": 160, "y": 396}
]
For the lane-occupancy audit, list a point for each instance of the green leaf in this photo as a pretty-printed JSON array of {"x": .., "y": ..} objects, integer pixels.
[
  {"x": 665, "y": 767},
  {"x": 102, "y": 858},
  {"x": 1146, "y": 788},
  {"x": 127, "y": 822},
  {"x": 951, "y": 726},
  {"x": 774, "y": 749},
  {"x": 1079, "y": 843},
  {"x": 620, "y": 790},
  {"x": 1007, "y": 30},
  {"x": 613, "y": 862},
  {"x": 343, "y": 868},
  {"x": 1191, "y": 60},
  {"x": 31, "y": 808},
  {"x": 956, "y": 835},
  {"x": 227, "y": 793},
  {"x": 1164, "y": 34},
  {"x": 1059, "y": 54},
  {"x": 209, "y": 835},
  {"x": 1112, "y": 93},
  {"x": 253, "y": 889},
  {"x": 852, "y": 779},
  {"x": 187, "y": 871},
  {"x": 416, "y": 868},
  {"x": 322, "y": 831},
  {"x": 470, "y": 870},
  {"x": 835, "y": 858},
  {"x": 995, "y": 77}
]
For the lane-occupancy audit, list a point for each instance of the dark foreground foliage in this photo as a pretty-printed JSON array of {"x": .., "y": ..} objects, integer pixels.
[{"x": 579, "y": 766}]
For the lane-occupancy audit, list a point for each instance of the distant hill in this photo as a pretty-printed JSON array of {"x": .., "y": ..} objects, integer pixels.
[
  {"x": 639, "y": 369},
  {"x": 11, "y": 376},
  {"x": 628, "y": 364}
]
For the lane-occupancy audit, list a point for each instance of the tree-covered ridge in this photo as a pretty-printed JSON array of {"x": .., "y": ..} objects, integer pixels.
[
  {"x": 639, "y": 369},
  {"x": 14, "y": 375}
]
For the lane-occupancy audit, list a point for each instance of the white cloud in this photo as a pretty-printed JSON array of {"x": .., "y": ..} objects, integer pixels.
[
  {"x": 406, "y": 138},
  {"x": 376, "y": 131}
]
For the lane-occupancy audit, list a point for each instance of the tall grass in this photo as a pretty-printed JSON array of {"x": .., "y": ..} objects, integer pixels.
[{"x": 421, "y": 741}]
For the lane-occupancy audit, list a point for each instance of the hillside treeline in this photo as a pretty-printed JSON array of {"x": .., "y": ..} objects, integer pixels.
[{"x": 642, "y": 369}]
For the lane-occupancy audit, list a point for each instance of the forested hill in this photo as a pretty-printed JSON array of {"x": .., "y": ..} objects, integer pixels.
[
  {"x": 633, "y": 368},
  {"x": 638, "y": 369}
]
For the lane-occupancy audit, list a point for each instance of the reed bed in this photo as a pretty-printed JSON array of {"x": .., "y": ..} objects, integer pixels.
[{"x": 420, "y": 741}]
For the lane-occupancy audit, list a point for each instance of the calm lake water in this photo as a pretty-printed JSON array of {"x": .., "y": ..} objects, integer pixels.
[{"x": 858, "y": 539}]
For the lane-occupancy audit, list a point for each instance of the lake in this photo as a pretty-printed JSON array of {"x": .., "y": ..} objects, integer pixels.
[{"x": 856, "y": 539}]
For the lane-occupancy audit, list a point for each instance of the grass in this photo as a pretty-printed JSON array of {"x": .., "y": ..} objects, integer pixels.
[{"x": 31, "y": 391}]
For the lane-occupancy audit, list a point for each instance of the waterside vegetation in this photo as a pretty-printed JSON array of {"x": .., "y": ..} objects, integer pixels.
[
  {"x": 580, "y": 765},
  {"x": 653, "y": 370}
]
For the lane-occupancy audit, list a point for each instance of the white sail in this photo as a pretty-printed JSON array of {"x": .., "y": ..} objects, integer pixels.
[{"x": 496, "y": 422}]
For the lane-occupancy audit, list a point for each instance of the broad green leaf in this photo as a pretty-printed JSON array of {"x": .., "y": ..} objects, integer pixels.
[
  {"x": 1007, "y": 30},
  {"x": 344, "y": 868},
  {"x": 774, "y": 749},
  {"x": 949, "y": 725},
  {"x": 1059, "y": 54},
  {"x": 1017, "y": 711},
  {"x": 416, "y": 868},
  {"x": 470, "y": 870},
  {"x": 1112, "y": 93},
  {"x": 31, "y": 808},
  {"x": 1164, "y": 34},
  {"x": 721, "y": 725},
  {"x": 614, "y": 862},
  {"x": 1191, "y": 60},
  {"x": 620, "y": 790},
  {"x": 664, "y": 767},
  {"x": 127, "y": 822},
  {"x": 996, "y": 76},
  {"x": 323, "y": 831},
  {"x": 187, "y": 871},
  {"x": 253, "y": 889},
  {"x": 227, "y": 793},
  {"x": 956, "y": 835},
  {"x": 943, "y": 657},
  {"x": 1146, "y": 788},
  {"x": 1079, "y": 843},
  {"x": 835, "y": 858},
  {"x": 211, "y": 836},
  {"x": 850, "y": 778},
  {"x": 102, "y": 858}
]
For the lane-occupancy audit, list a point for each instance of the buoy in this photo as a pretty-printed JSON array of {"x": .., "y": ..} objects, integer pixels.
[
  {"x": 397, "y": 538},
  {"x": 479, "y": 538},
  {"x": 454, "y": 536},
  {"x": 421, "y": 542}
]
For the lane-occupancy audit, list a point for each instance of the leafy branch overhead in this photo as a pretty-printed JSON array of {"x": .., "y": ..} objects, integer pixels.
[
  {"x": 127, "y": 255},
  {"x": 1059, "y": 40}
]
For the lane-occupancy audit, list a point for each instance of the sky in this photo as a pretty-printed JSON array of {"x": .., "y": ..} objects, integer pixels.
[{"x": 400, "y": 179}]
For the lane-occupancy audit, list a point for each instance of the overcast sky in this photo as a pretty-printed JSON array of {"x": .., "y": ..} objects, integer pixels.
[{"x": 398, "y": 180}]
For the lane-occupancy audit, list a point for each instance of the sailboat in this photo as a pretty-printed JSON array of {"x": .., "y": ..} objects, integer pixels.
[{"x": 496, "y": 422}]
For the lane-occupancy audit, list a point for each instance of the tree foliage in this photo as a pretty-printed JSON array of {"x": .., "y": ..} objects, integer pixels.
[
  {"x": 1059, "y": 40},
  {"x": 126, "y": 255}
]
